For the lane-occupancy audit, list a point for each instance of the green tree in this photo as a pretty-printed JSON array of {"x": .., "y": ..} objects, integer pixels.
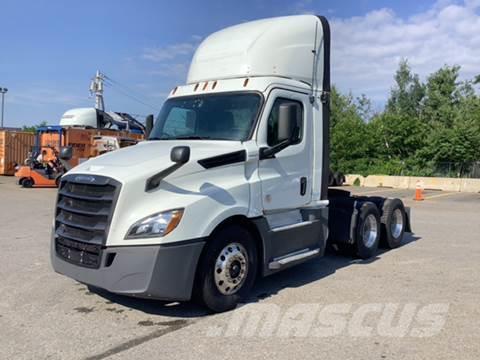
[
  {"x": 422, "y": 128},
  {"x": 365, "y": 108},
  {"x": 442, "y": 97},
  {"x": 33, "y": 128},
  {"x": 400, "y": 135},
  {"x": 348, "y": 135},
  {"x": 407, "y": 94}
]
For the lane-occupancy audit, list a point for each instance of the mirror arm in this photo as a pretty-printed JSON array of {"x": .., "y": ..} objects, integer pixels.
[
  {"x": 269, "y": 152},
  {"x": 154, "y": 181}
]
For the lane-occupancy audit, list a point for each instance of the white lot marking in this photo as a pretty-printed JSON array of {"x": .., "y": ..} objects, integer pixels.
[{"x": 442, "y": 195}]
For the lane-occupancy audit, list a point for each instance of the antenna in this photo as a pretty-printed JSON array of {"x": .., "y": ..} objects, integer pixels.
[
  {"x": 96, "y": 87},
  {"x": 314, "y": 72}
]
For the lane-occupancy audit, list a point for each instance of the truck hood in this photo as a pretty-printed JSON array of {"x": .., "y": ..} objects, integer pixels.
[{"x": 150, "y": 157}]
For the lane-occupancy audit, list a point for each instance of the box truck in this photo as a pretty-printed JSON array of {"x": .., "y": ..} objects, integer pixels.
[{"x": 232, "y": 183}]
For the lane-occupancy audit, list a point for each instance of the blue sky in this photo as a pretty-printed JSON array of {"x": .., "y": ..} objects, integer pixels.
[{"x": 50, "y": 49}]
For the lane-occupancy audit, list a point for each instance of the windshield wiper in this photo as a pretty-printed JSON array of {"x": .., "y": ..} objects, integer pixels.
[
  {"x": 188, "y": 137},
  {"x": 156, "y": 138},
  {"x": 191, "y": 137}
]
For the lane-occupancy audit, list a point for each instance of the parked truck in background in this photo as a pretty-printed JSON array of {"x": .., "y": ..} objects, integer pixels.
[
  {"x": 88, "y": 131},
  {"x": 232, "y": 183}
]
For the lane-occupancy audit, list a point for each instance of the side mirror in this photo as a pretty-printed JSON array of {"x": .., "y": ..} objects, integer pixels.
[
  {"x": 288, "y": 130},
  {"x": 180, "y": 154},
  {"x": 148, "y": 125},
  {"x": 287, "y": 122},
  {"x": 66, "y": 153}
]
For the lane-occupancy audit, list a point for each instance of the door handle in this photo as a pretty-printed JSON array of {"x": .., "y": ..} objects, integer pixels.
[{"x": 303, "y": 186}]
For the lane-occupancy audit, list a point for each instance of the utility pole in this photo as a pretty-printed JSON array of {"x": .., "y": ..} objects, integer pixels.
[
  {"x": 96, "y": 88},
  {"x": 3, "y": 91}
]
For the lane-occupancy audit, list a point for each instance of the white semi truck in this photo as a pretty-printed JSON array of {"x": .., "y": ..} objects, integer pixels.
[{"x": 232, "y": 184}]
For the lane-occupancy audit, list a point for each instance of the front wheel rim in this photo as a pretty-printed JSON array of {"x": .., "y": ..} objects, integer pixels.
[
  {"x": 370, "y": 231},
  {"x": 231, "y": 269}
]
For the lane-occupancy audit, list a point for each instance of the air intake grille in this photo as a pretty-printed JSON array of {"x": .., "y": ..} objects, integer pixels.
[{"x": 84, "y": 211}]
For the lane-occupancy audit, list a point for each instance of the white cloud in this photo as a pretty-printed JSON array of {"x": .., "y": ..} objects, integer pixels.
[
  {"x": 175, "y": 70},
  {"x": 169, "y": 52},
  {"x": 302, "y": 7},
  {"x": 366, "y": 50},
  {"x": 172, "y": 61}
]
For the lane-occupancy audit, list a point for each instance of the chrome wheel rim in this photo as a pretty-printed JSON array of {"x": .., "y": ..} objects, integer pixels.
[
  {"x": 231, "y": 269},
  {"x": 370, "y": 231},
  {"x": 396, "y": 226}
]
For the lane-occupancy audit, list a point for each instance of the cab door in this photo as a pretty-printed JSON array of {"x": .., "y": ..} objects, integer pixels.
[{"x": 286, "y": 178}]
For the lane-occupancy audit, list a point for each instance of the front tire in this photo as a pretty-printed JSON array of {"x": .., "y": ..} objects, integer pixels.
[
  {"x": 27, "y": 183},
  {"x": 227, "y": 269}
]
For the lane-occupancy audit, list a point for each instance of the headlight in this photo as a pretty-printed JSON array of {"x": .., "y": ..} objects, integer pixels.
[{"x": 156, "y": 225}]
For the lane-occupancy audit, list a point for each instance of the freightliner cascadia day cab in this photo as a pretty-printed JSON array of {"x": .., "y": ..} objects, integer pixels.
[{"x": 232, "y": 183}]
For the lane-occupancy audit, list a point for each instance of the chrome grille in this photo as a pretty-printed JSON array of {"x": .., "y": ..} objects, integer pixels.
[{"x": 85, "y": 207}]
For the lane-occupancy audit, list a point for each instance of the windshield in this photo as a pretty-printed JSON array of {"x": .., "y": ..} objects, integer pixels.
[{"x": 213, "y": 117}]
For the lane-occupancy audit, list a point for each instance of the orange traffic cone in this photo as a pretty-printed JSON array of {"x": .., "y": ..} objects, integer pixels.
[{"x": 418, "y": 192}]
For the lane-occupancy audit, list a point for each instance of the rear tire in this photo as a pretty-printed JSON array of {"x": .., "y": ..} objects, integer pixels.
[
  {"x": 339, "y": 179},
  {"x": 227, "y": 269},
  {"x": 27, "y": 183},
  {"x": 368, "y": 231},
  {"x": 331, "y": 179},
  {"x": 393, "y": 222}
]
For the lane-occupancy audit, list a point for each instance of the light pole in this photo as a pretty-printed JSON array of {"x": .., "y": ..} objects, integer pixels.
[{"x": 3, "y": 91}]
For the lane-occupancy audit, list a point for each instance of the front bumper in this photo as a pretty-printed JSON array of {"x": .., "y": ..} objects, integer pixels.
[{"x": 165, "y": 272}]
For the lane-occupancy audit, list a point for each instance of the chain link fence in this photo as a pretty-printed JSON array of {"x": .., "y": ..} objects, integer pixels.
[
  {"x": 457, "y": 170},
  {"x": 465, "y": 170}
]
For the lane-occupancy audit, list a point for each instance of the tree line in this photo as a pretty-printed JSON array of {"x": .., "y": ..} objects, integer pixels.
[{"x": 423, "y": 126}]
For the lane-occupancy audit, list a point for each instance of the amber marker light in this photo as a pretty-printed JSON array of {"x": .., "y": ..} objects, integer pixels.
[{"x": 174, "y": 221}]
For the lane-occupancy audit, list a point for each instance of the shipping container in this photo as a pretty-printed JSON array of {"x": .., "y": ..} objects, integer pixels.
[
  {"x": 82, "y": 141},
  {"x": 14, "y": 148}
]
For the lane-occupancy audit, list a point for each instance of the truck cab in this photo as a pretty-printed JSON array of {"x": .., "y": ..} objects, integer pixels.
[{"x": 232, "y": 183}]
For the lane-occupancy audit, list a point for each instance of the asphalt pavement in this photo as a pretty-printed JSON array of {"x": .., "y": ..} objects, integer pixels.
[{"x": 419, "y": 301}]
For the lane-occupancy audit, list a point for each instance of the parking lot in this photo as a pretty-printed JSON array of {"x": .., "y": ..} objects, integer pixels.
[{"x": 47, "y": 316}]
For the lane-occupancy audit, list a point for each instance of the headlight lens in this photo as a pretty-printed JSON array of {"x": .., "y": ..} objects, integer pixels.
[{"x": 156, "y": 225}]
